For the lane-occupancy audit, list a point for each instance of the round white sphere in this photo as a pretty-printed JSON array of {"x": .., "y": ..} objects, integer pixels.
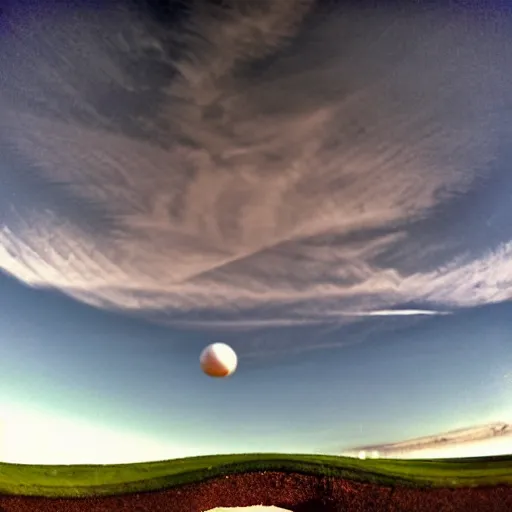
[{"x": 218, "y": 360}]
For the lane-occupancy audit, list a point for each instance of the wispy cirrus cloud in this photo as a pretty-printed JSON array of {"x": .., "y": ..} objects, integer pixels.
[
  {"x": 288, "y": 168},
  {"x": 491, "y": 439}
]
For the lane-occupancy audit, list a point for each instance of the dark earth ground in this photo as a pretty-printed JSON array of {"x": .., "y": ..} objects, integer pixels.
[{"x": 300, "y": 493}]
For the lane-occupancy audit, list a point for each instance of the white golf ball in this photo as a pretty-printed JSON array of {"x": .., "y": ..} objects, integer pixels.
[{"x": 218, "y": 360}]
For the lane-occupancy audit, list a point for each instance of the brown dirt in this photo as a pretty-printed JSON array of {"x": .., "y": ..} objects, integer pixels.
[{"x": 300, "y": 493}]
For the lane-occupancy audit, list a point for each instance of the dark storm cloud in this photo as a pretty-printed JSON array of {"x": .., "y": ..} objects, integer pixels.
[{"x": 268, "y": 162}]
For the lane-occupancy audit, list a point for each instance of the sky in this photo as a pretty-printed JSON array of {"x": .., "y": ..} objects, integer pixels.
[
  {"x": 325, "y": 186},
  {"x": 80, "y": 385}
]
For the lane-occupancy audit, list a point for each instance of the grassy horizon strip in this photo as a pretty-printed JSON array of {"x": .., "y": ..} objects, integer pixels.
[{"x": 105, "y": 480}]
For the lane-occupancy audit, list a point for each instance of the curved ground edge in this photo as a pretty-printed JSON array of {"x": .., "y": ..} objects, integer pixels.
[{"x": 297, "y": 492}]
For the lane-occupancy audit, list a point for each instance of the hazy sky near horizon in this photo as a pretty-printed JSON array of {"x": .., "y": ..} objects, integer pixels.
[
  {"x": 324, "y": 185},
  {"x": 83, "y": 385}
]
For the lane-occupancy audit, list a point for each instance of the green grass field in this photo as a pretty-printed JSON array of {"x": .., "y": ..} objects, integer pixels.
[{"x": 81, "y": 481}]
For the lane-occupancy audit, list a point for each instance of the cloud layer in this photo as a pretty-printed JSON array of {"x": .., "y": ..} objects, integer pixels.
[
  {"x": 274, "y": 162},
  {"x": 491, "y": 439}
]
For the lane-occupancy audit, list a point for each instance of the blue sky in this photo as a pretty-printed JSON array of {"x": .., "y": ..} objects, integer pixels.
[
  {"x": 102, "y": 377},
  {"x": 329, "y": 194}
]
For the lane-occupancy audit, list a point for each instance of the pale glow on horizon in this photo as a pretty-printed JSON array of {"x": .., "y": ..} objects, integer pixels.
[
  {"x": 28, "y": 437},
  {"x": 38, "y": 437}
]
